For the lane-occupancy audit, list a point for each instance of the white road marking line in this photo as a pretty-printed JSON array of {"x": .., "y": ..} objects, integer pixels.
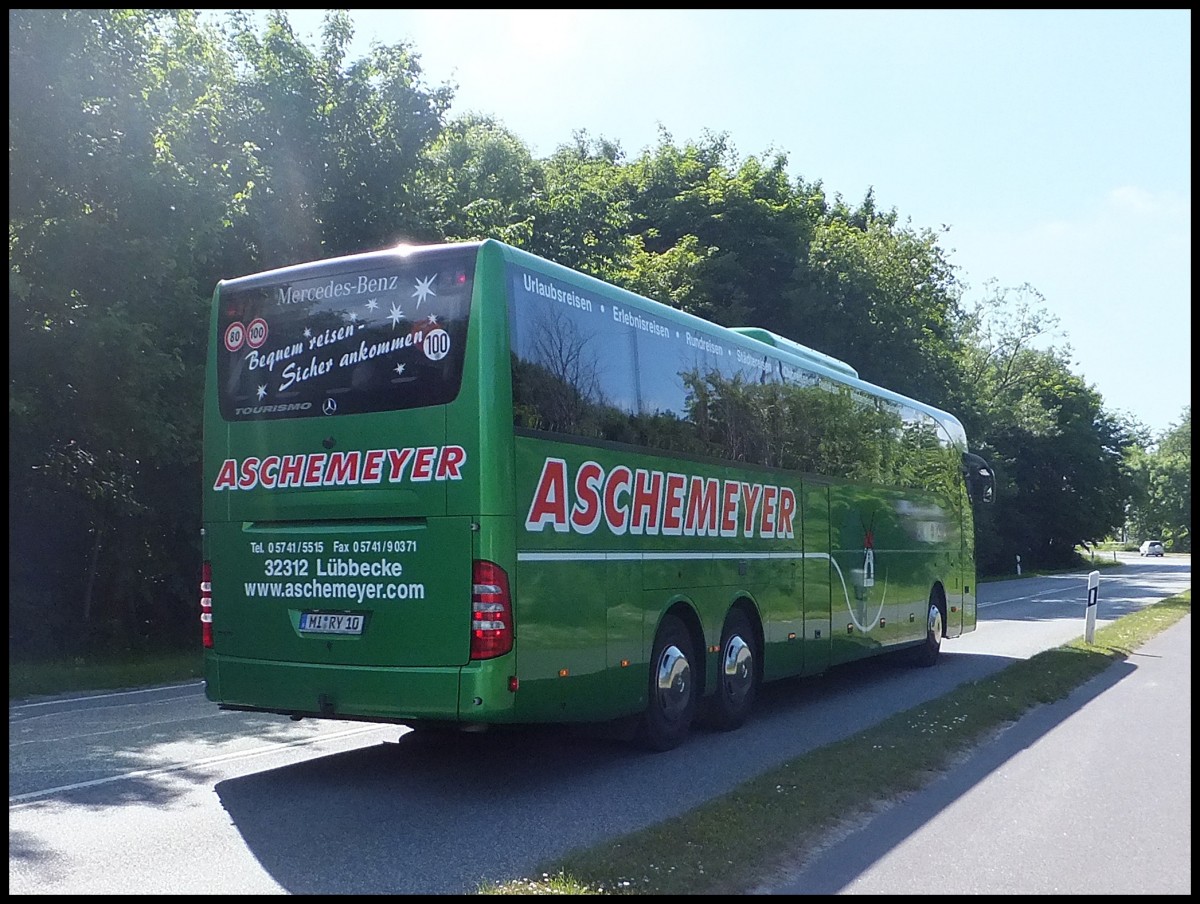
[{"x": 163, "y": 770}]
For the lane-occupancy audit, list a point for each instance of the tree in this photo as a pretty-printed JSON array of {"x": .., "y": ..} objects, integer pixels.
[
  {"x": 582, "y": 216},
  {"x": 379, "y": 120},
  {"x": 884, "y": 299},
  {"x": 1060, "y": 458},
  {"x": 149, "y": 157},
  {"x": 1161, "y": 508},
  {"x": 338, "y": 145},
  {"x": 120, "y": 196},
  {"x": 733, "y": 231},
  {"x": 480, "y": 181}
]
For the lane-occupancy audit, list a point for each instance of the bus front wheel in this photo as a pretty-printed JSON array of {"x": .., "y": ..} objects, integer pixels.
[
  {"x": 673, "y": 690},
  {"x": 927, "y": 653},
  {"x": 737, "y": 674}
]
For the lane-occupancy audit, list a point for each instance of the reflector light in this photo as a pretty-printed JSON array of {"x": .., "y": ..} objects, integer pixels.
[{"x": 206, "y": 635}]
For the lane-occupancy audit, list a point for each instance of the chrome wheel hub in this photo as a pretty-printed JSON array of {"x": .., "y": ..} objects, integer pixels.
[
  {"x": 673, "y": 682},
  {"x": 737, "y": 668},
  {"x": 935, "y": 624}
]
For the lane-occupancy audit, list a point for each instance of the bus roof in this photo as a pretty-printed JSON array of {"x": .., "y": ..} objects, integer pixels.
[
  {"x": 776, "y": 341},
  {"x": 781, "y": 347},
  {"x": 311, "y": 268}
]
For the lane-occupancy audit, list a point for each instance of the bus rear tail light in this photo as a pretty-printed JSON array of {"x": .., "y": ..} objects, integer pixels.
[
  {"x": 206, "y": 604},
  {"x": 491, "y": 611}
]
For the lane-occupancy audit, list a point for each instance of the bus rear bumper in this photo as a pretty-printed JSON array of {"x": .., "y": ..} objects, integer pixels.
[{"x": 475, "y": 693}]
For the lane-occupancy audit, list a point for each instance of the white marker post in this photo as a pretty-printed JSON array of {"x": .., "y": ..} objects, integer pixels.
[{"x": 1093, "y": 597}]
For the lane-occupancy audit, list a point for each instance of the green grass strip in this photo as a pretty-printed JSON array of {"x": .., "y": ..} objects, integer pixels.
[{"x": 111, "y": 672}]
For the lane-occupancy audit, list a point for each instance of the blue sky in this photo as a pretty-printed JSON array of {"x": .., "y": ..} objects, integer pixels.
[{"x": 1055, "y": 144}]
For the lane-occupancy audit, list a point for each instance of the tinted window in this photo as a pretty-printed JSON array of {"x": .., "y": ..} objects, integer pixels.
[
  {"x": 572, "y": 360},
  {"x": 345, "y": 339},
  {"x": 587, "y": 366}
]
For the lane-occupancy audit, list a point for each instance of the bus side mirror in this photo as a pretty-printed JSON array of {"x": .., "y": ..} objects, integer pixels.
[{"x": 981, "y": 482}]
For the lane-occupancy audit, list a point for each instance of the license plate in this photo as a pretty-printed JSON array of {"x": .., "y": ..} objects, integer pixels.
[{"x": 330, "y": 623}]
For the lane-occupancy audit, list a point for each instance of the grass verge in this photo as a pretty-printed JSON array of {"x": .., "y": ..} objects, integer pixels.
[
  {"x": 731, "y": 844},
  {"x": 60, "y": 676}
]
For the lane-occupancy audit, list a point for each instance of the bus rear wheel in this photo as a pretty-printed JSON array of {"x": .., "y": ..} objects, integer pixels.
[
  {"x": 737, "y": 674},
  {"x": 673, "y": 692}
]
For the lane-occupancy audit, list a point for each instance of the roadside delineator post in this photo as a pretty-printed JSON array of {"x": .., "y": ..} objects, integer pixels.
[{"x": 1092, "y": 599}]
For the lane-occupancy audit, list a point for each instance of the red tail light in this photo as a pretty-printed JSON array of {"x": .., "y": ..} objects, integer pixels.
[
  {"x": 491, "y": 611},
  {"x": 206, "y": 604}
]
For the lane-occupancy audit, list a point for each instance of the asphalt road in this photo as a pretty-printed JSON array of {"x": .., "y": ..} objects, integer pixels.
[
  {"x": 156, "y": 791},
  {"x": 1090, "y": 795}
]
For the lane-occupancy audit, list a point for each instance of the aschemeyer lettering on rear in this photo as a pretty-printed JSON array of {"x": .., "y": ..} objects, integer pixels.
[
  {"x": 341, "y": 468},
  {"x": 460, "y": 484}
]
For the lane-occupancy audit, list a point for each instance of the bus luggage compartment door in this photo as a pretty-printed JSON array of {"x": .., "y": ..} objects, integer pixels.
[{"x": 383, "y": 593}]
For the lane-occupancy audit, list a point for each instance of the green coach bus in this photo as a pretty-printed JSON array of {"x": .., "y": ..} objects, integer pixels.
[{"x": 461, "y": 485}]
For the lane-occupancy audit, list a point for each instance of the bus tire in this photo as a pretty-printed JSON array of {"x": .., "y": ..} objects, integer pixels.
[
  {"x": 737, "y": 674},
  {"x": 926, "y": 654},
  {"x": 673, "y": 688}
]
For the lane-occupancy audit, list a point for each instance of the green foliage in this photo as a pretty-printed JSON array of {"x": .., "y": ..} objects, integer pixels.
[
  {"x": 883, "y": 298},
  {"x": 337, "y": 145},
  {"x": 582, "y": 213},
  {"x": 717, "y": 237},
  {"x": 483, "y": 181},
  {"x": 381, "y": 118},
  {"x": 28, "y": 678},
  {"x": 106, "y": 318},
  {"x": 150, "y": 157},
  {"x": 1161, "y": 504},
  {"x": 1060, "y": 459}
]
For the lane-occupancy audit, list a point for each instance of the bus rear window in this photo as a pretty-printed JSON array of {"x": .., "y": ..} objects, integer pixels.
[{"x": 370, "y": 336}]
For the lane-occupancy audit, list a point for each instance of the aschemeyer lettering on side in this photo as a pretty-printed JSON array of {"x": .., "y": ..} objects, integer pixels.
[
  {"x": 322, "y": 469},
  {"x": 643, "y": 501}
]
